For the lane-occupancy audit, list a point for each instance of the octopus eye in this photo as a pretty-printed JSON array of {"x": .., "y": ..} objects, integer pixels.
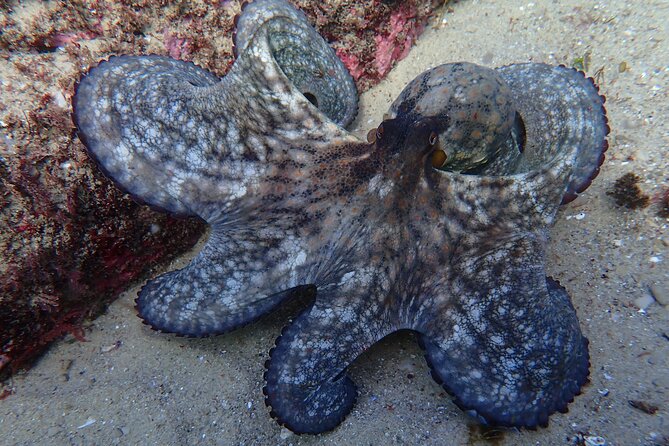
[
  {"x": 433, "y": 138},
  {"x": 371, "y": 136},
  {"x": 379, "y": 131},
  {"x": 439, "y": 158}
]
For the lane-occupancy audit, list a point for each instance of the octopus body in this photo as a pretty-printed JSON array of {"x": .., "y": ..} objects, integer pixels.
[{"x": 438, "y": 225}]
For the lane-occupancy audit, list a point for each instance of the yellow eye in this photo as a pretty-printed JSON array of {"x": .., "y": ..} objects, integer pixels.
[
  {"x": 439, "y": 158},
  {"x": 433, "y": 138}
]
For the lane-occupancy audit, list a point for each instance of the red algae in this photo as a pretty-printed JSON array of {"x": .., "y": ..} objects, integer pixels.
[{"x": 370, "y": 36}]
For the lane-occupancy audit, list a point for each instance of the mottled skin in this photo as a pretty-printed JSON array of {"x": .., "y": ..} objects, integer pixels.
[
  {"x": 380, "y": 238},
  {"x": 478, "y": 106}
]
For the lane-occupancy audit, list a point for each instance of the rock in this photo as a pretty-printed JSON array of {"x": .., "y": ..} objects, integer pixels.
[
  {"x": 643, "y": 302},
  {"x": 660, "y": 293}
]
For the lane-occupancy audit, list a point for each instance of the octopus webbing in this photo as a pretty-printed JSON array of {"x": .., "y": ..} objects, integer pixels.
[{"x": 437, "y": 224}]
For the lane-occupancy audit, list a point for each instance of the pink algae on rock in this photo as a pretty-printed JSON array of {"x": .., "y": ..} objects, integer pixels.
[
  {"x": 369, "y": 36},
  {"x": 352, "y": 63},
  {"x": 176, "y": 47},
  {"x": 404, "y": 29}
]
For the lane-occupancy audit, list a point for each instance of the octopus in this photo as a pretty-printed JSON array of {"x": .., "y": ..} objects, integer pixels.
[{"x": 438, "y": 223}]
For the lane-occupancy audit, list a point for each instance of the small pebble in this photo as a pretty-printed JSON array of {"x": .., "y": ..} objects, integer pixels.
[
  {"x": 87, "y": 423},
  {"x": 594, "y": 440},
  {"x": 660, "y": 293},
  {"x": 285, "y": 434},
  {"x": 643, "y": 302},
  {"x": 643, "y": 406},
  {"x": 112, "y": 347},
  {"x": 60, "y": 100}
]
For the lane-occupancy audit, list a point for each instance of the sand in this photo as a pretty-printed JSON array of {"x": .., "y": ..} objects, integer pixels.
[{"x": 130, "y": 385}]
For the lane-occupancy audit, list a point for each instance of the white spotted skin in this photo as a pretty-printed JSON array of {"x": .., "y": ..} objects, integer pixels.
[
  {"x": 472, "y": 107},
  {"x": 378, "y": 238}
]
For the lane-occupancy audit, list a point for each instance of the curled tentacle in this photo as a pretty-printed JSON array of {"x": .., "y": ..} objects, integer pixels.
[
  {"x": 562, "y": 111},
  {"x": 127, "y": 109},
  {"x": 288, "y": 88},
  {"x": 307, "y": 387},
  {"x": 304, "y": 57},
  {"x": 509, "y": 348},
  {"x": 235, "y": 279}
]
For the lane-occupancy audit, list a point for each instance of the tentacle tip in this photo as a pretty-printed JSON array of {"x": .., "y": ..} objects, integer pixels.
[
  {"x": 163, "y": 325},
  {"x": 287, "y": 412},
  {"x": 307, "y": 410},
  {"x": 572, "y": 193},
  {"x": 235, "y": 23},
  {"x": 531, "y": 416}
]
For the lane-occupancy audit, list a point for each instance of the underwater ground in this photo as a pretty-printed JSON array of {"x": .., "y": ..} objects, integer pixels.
[{"x": 129, "y": 385}]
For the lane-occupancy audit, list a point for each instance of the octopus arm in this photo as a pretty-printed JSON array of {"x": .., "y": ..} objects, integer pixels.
[
  {"x": 509, "y": 348},
  {"x": 560, "y": 110},
  {"x": 256, "y": 13},
  {"x": 276, "y": 28},
  {"x": 235, "y": 279},
  {"x": 307, "y": 387},
  {"x": 138, "y": 117}
]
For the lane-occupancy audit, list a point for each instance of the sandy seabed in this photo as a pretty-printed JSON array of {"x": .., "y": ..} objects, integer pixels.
[{"x": 130, "y": 385}]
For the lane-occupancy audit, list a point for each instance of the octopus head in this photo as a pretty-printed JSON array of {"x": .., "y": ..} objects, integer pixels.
[
  {"x": 463, "y": 113},
  {"x": 409, "y": 140}
]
